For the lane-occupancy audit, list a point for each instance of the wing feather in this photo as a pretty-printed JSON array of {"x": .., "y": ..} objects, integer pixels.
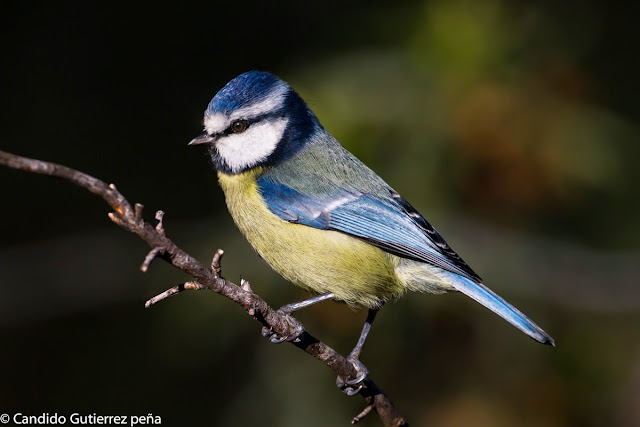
[{"x": 391, "y": 224}]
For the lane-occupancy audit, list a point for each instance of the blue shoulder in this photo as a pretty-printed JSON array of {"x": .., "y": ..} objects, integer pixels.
[{"x": 291, "y": 205}]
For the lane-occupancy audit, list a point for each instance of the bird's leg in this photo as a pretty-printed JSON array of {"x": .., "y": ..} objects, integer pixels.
[
  {"x": 290, "y": 308},
  {"x": 353, "y": 386},
  {"x": 371, "y": 315}
]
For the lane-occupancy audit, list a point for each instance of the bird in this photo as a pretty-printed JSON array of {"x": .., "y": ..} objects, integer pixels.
[{"x": 321, "y": 218}]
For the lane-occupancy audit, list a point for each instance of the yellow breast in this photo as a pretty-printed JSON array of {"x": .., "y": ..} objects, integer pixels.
[{"x": 320, "y": 260}]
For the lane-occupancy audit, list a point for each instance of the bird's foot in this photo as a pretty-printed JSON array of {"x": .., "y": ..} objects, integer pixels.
[
  {"x": 352, "y": 387},
  {"x": 293, "y": 325}
]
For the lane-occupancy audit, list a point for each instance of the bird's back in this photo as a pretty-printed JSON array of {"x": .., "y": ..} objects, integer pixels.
[{"x": 325, "y": 168}]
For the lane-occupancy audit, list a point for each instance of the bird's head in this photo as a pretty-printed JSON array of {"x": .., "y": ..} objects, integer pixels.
[{"x": 255, "y": 120}]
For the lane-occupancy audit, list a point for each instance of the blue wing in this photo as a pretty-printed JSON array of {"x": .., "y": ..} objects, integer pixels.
[{"x": 391, "y": 223}]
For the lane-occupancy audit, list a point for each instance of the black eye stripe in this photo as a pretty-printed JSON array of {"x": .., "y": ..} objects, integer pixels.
[{"x": 271, "y": 115}]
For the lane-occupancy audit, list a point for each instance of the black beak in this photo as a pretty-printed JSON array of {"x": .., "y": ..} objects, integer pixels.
[{"x": 203, "y": 138}]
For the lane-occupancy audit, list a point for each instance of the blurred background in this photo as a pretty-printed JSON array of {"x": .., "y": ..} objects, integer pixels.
[{"x": 512, "y": 126}]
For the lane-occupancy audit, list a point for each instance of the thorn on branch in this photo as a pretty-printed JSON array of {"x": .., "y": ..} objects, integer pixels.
[
  {"x": 158, "y": 224},
  {"x": 138, "y": 212},
  {"x": 362, "y": 414},
  {"x": 244, "y": 284},
  {"x": 116, "y": 218},
  {"x": 119, "y": 208},
  {"x": 153, "y": 254},
  {"x": 215, "y": 263},
  {"x": 188, "y": 286}
]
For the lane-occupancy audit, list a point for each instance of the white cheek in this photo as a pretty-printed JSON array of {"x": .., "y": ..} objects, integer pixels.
[{"x": 252, "y": 146}]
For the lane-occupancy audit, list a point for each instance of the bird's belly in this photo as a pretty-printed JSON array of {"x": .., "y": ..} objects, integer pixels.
[{"x": 320, "y": 260}]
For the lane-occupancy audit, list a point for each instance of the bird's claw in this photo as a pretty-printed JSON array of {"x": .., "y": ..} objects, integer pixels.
[
  {"x": 276, "y": 338},
  {"x": 353, "y": 387}
]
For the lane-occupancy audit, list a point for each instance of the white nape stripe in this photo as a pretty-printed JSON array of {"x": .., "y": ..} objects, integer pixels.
[
  {"x": 272, "y": 102},
  {"x": 214, "y": 123},
  {"x": 246, "y": 149}
]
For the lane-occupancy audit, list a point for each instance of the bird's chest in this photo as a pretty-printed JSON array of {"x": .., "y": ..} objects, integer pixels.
[
  {"x": 321, "y": 260},
  {"x": 260, "y": 226}
]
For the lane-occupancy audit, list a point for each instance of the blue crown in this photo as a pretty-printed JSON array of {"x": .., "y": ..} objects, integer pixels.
[{"x": 246, "y": 89}]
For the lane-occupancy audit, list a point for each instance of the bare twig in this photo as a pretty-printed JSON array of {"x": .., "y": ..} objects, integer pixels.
[
  {"x": 187, "y": 286},
  {"x": 215, "y": 263},
  {"x": 362, "y": 414},
  {"x": 154, "y": 235},
  {"x": 153, "y": 253}
]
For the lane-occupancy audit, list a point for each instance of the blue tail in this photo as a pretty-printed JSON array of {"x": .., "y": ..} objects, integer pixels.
[{"x": 493, "y": 302}]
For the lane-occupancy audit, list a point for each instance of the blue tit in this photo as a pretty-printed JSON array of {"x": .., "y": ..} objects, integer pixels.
[{"x": 320, "y": 217}]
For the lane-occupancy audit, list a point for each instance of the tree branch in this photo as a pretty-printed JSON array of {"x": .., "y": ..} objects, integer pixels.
[{"x": 130, "y": 218}]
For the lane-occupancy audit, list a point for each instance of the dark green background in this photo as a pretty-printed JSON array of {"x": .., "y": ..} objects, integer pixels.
[{"x": 512, "y": 126}]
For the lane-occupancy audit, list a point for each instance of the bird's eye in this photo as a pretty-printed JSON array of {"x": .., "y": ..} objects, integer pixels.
[{"x": 238, "y": 126}]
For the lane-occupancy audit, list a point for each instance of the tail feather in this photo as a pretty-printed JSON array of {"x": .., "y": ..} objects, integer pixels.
[{"x": 495, "y": 303}]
